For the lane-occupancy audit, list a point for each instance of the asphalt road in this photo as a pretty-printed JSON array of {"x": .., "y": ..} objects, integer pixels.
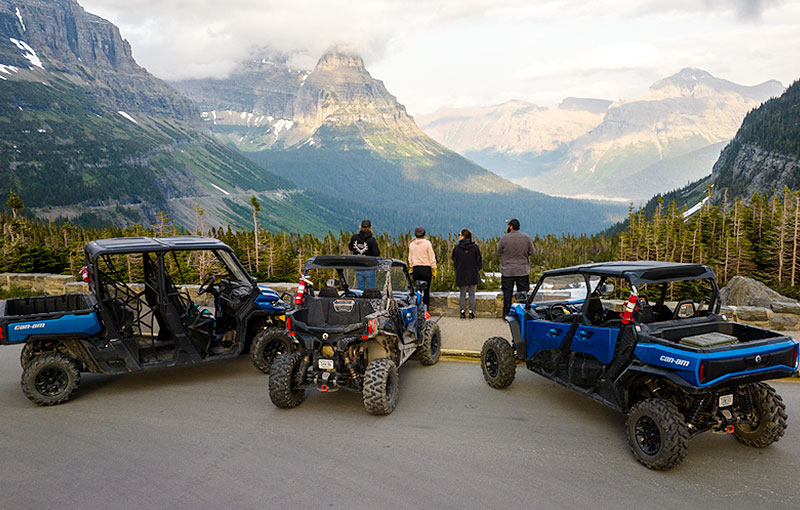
[{"x": 208, "y": 437}]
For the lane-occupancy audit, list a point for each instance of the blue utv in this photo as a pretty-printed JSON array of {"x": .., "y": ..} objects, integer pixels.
[
  {"x": 137, "y": 318},
  {"x": 676, "y": 368}
]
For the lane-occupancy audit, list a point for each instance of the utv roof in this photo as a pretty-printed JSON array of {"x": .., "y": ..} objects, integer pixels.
[
  {"x": 640, "y": 272},
  {"x": 348, "y": 262},
  {"x": 152, "y": 244}
]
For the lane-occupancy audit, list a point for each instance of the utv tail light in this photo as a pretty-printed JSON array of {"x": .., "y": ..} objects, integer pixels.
[
  {"x": 701, "y": 372},
  {"x": 289, "y": 326},
  {"x": 372, "y": 326}
]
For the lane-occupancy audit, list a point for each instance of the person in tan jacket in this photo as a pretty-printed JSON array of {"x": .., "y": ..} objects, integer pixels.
[{"x": 422, "y": 261}]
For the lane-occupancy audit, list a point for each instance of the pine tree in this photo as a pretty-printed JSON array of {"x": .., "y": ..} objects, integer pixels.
[{"x": 14, "y": 202}]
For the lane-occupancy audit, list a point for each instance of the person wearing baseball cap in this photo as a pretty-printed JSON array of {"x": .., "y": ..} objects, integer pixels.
[
  {"x": 514, "y": 249},
  {"x": 364, "y": 243},
  {"x": 422, "y": 261}
]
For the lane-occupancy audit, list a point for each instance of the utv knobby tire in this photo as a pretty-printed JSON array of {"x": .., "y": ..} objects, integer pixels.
[
  {"x": 50, "y": 379},
  {"x": 27, "y": 355},
  {"x": 381, "y": 387},
  {"x": 497, "y": 362},
  {"x": 431, "y": 346},
  {"x": 267, "y": 346},
  {"x": 771, "y": 414},
  {"x": 657, "y": 433},
  {"x": 282, "y": 389}
]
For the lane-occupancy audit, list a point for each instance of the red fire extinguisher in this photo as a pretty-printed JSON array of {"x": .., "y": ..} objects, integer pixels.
[
  {"x": 301, "y": 291},
  {"x": 85, "y": 275},
  {"x": 630, "y": 306}
]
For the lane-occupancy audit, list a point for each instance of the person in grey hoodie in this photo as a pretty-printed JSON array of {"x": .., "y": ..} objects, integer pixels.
[{"x": 514, "y": 249}]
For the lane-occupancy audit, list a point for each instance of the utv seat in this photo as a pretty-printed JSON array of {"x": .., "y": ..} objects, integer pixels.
[
  {"x": 328, "y": 292},
  {"x": 595, "y": 311}
]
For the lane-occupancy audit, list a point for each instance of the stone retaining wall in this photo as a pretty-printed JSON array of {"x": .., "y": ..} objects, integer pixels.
[{"x": 781, "y": 316}]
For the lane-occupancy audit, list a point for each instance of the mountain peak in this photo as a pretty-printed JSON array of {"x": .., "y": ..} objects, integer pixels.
[
  {"x": 340, "y": 57},
  {"x": 691, "y": 81}
]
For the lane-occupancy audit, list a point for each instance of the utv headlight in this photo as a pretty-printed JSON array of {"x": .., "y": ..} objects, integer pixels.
[{"x": 327, "y": 350}]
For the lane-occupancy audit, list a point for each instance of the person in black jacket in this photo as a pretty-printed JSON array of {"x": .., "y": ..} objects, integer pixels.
[
  {"x": 364, "y": 243},
  {"x": 468, "y": 263}
]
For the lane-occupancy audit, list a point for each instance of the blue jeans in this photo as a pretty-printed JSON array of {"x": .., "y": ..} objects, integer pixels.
[{"x": 366, "y": 279}]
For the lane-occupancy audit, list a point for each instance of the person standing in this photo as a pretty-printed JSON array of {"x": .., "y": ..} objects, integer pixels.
[
  {"x": 514, "y": 249},
  {"x": 364, "y": 243},
  {"x": 422, "y": 261},
  {"x": 467, "y": 262}
]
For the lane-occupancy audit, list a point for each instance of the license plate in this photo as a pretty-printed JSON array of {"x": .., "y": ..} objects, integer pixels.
[
  {"x": 726, "y": 400},
  {"x": 325, "y": 364}
]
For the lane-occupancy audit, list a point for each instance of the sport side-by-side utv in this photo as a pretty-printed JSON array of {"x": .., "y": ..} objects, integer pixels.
[
  {"x": 677, "y": 371},
  {"x": 355, "y": 339},
  {"x": 122, "y": 326}
]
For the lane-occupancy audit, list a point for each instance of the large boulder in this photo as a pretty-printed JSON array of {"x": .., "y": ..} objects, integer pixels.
[{"x": 742, "y": 291}]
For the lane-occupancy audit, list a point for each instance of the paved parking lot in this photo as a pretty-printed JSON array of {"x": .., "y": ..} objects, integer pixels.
[{"x": 208, "y": 437}]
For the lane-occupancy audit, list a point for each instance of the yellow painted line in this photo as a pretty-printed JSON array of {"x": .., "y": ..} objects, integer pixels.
[{"x": 460, "y": 359}]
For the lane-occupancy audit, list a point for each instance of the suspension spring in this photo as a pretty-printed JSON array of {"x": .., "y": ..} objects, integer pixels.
[
  {"x": 747, "y": 401},
  {"x": 352, "y": 371}
]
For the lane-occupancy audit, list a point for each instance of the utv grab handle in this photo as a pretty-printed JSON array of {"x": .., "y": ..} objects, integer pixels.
[{"x": 553, "y": 332}]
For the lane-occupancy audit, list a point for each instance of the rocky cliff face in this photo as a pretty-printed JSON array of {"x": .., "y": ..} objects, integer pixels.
[
  {"x": 91, "y": 51},
  {"x": 265, "y": 87},
  {"x": 88, "y": 135},
  {"x": 764, "y": 156}
]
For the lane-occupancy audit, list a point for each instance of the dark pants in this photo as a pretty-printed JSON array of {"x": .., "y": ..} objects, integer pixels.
[
  {"x": 507, "y": 284},
  {"x": 425, "y": 274}
]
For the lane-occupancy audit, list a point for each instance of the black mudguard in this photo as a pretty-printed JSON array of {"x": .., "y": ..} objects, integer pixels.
[{"x": 516, "y": 337}]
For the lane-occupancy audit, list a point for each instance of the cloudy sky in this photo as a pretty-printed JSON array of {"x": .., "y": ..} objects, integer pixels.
[{"x": 475, "y": 52}]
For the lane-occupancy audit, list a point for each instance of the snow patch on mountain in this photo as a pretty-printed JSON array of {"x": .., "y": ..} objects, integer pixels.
[
  {"x": 19, "y": 15},
  {"x": 127, "y": 116},
  {"x": 29, "y": 53},
  {"x": 219, "y": 189}
]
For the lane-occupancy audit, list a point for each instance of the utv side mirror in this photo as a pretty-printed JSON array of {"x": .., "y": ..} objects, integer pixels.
[
  {"x": 421, "y": 285},
  {"x": 521, "y": 297}
]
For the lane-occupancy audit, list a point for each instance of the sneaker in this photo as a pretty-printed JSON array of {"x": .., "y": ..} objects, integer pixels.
[
  {"x": 463, "y": 314},
  {"x": 471, "y": 314}
]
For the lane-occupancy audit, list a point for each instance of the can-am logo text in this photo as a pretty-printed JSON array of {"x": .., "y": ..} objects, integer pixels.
[{"x": 675, "y": 361}]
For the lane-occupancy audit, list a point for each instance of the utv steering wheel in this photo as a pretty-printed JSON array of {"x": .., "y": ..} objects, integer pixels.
[
  {"x": 552, "y": 308},
  {"x": 207, "y": 286}
]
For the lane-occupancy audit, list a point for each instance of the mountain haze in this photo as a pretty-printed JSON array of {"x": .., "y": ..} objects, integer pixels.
[
  {"x": 660, "y": 141},
  {"x": 344, "y": 134},
  {"x": 516, "y": 138}
]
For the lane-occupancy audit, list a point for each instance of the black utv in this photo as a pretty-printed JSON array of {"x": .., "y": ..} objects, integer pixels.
[{"x": 355, "y": 339}]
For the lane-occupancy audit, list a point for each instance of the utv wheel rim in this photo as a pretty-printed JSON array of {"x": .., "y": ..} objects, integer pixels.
[
  {"x": 492, "y": 366},
  {"x": 435, "y": 341},
  {"x": 51, "y": 381},
  {"x": 648, "y": 437},
  {"x": 272, "y": 351}
]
